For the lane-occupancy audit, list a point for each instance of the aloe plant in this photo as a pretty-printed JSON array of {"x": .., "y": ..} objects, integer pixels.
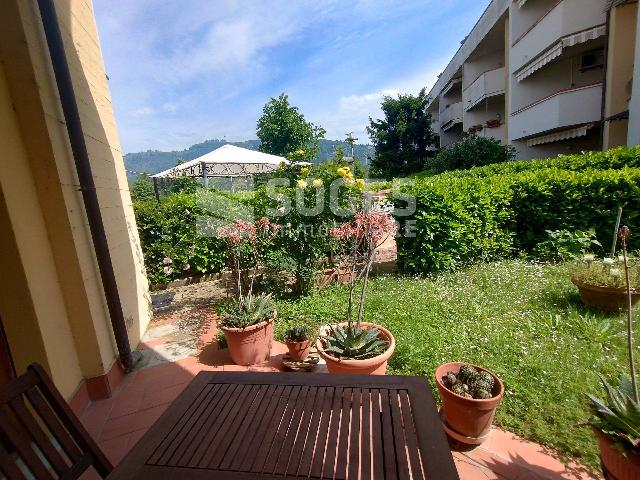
[
  {"x": 251, "y": 310},
  {"x": 364, "y": 234},
  {"x": 297, "y": 333},
  {"x": 353, "y": 342},
  {"x": 619, "y": 416}
]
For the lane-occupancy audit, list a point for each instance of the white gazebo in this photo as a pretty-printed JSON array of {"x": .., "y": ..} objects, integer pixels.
[{"x": 226, "y": 161}]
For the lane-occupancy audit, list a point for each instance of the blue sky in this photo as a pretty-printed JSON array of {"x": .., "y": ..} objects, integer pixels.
[{"x": 183, "y": 71}]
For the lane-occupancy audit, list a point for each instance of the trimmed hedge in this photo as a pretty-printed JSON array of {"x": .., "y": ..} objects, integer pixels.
[
  {"x": 506, "y": 209},
  {"x": 171, "y": 245},
  {"x": 615, "y": 159}
]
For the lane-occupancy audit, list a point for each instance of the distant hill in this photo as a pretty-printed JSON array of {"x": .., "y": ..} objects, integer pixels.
[{"x": 154, "y": 161}]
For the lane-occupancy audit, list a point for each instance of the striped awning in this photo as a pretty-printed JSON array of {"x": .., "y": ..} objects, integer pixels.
[
  {"x": 548, "y": 57},
  {"x": 559, "y": 136},
  {"x": 556, "y": 50},
  {"x": 585, "y": 36},
  {"x": 451, "y": 84}
]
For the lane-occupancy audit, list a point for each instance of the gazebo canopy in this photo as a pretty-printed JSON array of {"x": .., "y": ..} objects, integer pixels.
[{"x": 226, "y": 161}]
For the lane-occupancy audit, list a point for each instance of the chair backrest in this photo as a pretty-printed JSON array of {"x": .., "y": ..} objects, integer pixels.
[{"x": 40, "y": 437}]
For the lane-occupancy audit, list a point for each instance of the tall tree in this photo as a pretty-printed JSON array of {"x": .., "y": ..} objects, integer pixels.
[
  {"x": 403, "y": 140},
  {"x": 283, "y": 130}
]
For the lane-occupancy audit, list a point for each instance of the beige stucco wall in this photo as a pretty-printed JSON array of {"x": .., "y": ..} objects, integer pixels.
[
  {"x": 621, "y": 49},
  {"x": 633, "y": 137},
  {"x": 32, "y": 303},
  {"x": 68, "y": 281}
]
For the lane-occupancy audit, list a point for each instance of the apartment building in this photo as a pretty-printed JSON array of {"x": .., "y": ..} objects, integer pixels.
[{"x": 546, "y": 76}]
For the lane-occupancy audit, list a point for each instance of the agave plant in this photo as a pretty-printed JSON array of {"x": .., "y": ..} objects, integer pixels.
[
  {"x": 353, "y": 342},
  {"x": 619, "y": 415},
  {"x": 251, "y": 310},
  {"x": 298, "y": 333},
  {"x": 363, "y": 235}
]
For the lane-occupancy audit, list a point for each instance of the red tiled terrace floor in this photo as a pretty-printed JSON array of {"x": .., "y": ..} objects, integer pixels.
[{"x": 120, "y": 421}]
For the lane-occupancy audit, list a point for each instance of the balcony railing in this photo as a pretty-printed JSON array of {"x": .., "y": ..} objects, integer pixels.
[
  {"x": 451, "y": 115},
  {"x": 562, "y": 109},
  {"x": 566, "y": 18},
  {"x": 489, "y": 84}
]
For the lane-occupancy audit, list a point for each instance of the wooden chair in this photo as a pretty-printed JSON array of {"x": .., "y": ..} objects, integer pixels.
[{"x": 40, "y": 437}]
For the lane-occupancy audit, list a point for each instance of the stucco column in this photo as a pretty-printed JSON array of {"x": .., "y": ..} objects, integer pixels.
[{"x": 633, "y": 137}]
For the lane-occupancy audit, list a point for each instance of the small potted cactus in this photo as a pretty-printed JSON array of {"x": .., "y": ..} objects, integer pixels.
[
  {"x": 470, "y": 396},
  {"x": 298, "y": 342}
]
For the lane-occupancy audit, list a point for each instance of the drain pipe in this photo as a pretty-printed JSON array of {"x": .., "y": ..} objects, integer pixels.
[{"x": 85, "y": 176}]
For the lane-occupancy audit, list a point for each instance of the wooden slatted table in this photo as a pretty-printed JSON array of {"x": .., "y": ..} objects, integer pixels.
[{"x": 249, "y": 425}]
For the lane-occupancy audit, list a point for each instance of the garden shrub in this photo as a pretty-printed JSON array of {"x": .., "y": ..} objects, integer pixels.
[
  {"x": 510, "y": 209},
  {"x": 304, "y": 242},
  {"x": 554, "y": 199},
  {"x": 455, "y": 222},
  {"x": 563, "y": 245},
  {"x": 170, "y": 242},
  {"x": 471, "y": 151},
  {"x": 613, "y": 159}
]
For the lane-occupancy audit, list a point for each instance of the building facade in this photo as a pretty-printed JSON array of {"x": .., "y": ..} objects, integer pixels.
[
  {"x": 546, "y": 76},
  {"x": 54, "y": 304}
]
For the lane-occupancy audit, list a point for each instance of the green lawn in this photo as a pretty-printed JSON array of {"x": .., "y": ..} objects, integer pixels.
[{"x": 523, "y": 321}]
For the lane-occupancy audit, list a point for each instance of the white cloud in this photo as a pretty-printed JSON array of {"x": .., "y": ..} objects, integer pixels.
[
  {"x": 352, "y": 112},
  {"x": 183, "y": 71},
  {"x": 142, "y": 112}
]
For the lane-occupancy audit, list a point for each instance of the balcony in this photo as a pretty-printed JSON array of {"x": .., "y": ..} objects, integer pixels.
[
  {"x": 451, "y": 115},
  {"x": 452, "y": 87},
  {"x": 563, "y": 109},
  {"x": 565, "y": 19},
  {"x": 489, "y": 84}
]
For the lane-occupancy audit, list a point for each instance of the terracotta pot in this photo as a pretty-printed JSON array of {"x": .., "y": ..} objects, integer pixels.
[
  {"x": 251, "y": 345},
  {"x": 615, "y": 465},
  {"x": 333, "y": 275},
  {"x": 468, "y": 419},
  {"x": 344, "y": 276},
  {"x": 370, "y": 366},
  {"x": 299, "y": 350},
  {"x": 606, "y": 299}
]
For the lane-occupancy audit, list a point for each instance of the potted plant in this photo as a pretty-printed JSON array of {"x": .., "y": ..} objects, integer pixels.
[
  {"x": 616, "y": 420},
  {"x": 247, "y": 320},
  {"x": 601, "y": 283},
  {"x": 298, "y": 342},
  {"x": 470, "y": 396},
  {"x": 493, "y": 123},
  {"x": 355, "y": 346}
]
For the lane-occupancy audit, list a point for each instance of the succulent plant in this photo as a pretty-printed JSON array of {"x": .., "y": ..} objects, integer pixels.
[
  {"x": 297, "y": 333},
  {"x": 458, "y": 389},
  {"x": 470, "y": 383},
  {"x": 482, "y": 394},
  {"x": 353, "y": 342},
  {"x": 466, "y": 373},
  {"x": 488, "y": 379},
  {"x": 479, "y": 383},
  {"x": 250, "y": 310},
  {"x": 619, "y": 415},
  {"x": 450, "y": 379}
]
